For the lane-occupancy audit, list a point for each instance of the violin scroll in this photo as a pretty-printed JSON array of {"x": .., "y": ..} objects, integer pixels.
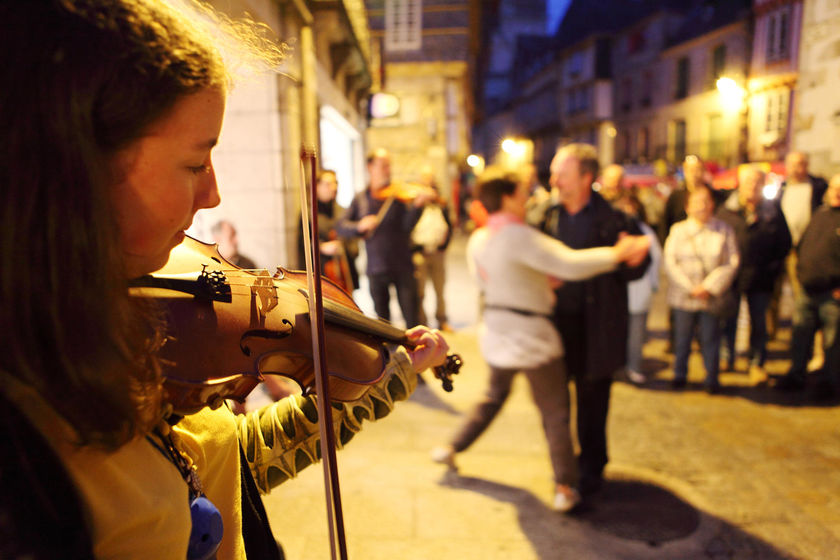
[{"x": 450, "y": 367}]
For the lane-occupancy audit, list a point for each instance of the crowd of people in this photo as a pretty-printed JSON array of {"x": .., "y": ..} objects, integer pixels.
[{"x": 712, "y": 248}]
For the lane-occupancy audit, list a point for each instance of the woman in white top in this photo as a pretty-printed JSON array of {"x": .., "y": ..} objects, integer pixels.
[
  {"x": 701, "y": 259},
  {"x": 515, "y": 267}
]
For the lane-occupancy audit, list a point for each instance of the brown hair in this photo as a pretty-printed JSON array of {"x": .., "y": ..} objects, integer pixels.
[
  {"x": 494, "y": 184},
  {"x": 89, "y": 76}
]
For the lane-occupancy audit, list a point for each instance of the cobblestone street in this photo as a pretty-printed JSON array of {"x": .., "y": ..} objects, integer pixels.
[{"x": 747, "y": 473}]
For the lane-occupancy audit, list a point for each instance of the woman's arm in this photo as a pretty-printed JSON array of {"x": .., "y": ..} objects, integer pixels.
[{"x": 283, "y": 438}]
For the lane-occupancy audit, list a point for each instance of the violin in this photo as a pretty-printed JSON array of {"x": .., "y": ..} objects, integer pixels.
[
  {"x": 405, "y": 192},
  {"x": 228, "y": 327}
]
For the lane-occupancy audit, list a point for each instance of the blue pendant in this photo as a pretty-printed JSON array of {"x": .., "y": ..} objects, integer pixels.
[{"x": 207, "y": 529}]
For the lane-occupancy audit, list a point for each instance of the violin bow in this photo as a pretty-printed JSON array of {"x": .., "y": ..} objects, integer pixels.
[{"x": 309, "y": 215}]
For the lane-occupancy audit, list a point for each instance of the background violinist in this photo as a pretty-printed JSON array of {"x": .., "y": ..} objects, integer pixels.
[
  {"x": 105, "y": 158},
  {"x": 384, "y": 217}
]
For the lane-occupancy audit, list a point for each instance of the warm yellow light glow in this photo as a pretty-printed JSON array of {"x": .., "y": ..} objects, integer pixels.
[
  {"x": 473, "y": 160},
  {"x": 732, "y": 96},
  {"x": 514, "y": 148}
]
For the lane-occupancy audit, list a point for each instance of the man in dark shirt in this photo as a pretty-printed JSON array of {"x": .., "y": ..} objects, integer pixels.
[
  {"x": 385, "y": 224},
  {"x": 592, "y": 315},
  {"x": 818, "y": 304}
]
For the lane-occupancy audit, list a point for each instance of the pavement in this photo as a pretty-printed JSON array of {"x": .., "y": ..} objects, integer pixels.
[{"x": 747, "y": 473}]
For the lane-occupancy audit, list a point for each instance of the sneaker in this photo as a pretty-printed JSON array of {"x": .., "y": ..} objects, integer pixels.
[
  {"x": 445, "y": 455},
  {"x": 636, "y": 377},
  {"x": 565, "y": 498}
]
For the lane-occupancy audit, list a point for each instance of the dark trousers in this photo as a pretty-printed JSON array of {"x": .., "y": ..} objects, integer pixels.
[
  {"x": 406, "y": 286},
  {"x": 592, "y": 396},
  {"x": 685, "y": 323},
  {"x": 813, "y": 312},
  {"x": 593, "y": 403}
]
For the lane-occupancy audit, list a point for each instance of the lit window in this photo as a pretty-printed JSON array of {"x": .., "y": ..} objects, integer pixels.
[
  {"x": 777, "y": 111},
  {"x": 403, "y": 24},
  {"x": 778, "y": 34}
]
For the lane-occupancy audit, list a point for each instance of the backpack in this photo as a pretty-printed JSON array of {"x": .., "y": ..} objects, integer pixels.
[{"x": 431, "y": 230}]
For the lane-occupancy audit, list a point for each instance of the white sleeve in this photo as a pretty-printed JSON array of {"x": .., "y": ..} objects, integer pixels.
[{"x": 546, "y": 254}]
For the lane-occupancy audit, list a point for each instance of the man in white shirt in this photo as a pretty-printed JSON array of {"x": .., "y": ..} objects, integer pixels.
[{"x": 801, "y": 194}]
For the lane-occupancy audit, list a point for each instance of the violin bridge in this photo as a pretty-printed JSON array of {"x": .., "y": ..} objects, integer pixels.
[{"x": 263, "y": 290}]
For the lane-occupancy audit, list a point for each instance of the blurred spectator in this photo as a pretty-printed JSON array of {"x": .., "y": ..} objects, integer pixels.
[
  {"x": 338, "y": 256},
  {"x": 591, "y": 315},
  {"x": 701, "y": 259},
  {"x": 818, "y": 304},
  {"x": 694, "y": 173},
  {"x": 224, "y": 235},
  {"x": 800, "y": 196},
  {"x": 639, "y": 292},
  {"x": 763, "y": 240},
  {"x": 385, "y": 219},
  {"x": 612, "y": 180},
  {"x": 431, "y": 237},
  {"x": 539, "y": 197}
]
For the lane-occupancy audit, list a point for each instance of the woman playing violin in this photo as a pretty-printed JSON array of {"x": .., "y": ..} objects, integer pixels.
[{"x": 106, "y": 157}]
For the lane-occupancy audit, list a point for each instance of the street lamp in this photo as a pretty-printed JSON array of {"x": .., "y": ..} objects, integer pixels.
[
  {"x": 516, "y": 151},
  {"x": 734, "y": 100},
  {"x": 732, "y": 95},
  {"x": 476, "y": 163}
]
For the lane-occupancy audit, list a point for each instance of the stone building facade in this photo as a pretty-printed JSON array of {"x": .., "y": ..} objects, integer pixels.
[
  {"x": 421, "y": 54},
  {"x": 316, "y": 99},
  {"x": 816, "y": 120},
  {"x": 773, "y": 77}
]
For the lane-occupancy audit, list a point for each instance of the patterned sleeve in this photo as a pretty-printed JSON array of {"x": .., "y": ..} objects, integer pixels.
[{"x": 283, "y": 438}]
